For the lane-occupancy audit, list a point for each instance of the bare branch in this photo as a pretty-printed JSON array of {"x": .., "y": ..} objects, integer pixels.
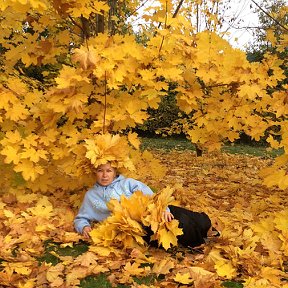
[
  {"x": 162, "y": 41},
  {"x": 142, "y": 5},
  {"x": 178, "y": 8},
  {"x": 175, "y": 13}
]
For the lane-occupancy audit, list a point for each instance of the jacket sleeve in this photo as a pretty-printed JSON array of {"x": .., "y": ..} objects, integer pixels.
[
  {"x": 85, "y": 214},
  {"x": 136, "y": 185}
]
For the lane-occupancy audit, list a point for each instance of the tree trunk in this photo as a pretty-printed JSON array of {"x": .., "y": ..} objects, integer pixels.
[{"x": 199, "y": 150}]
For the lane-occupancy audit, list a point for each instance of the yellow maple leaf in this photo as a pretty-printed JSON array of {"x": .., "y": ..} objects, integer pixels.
[
  {"x": 8, "y": 213},
  {"x": 133, "y": 268},
  {"x": 273, "y": 275},
  {"x": 29, "y": 170},
  {"x": 28, "y": 284},
  {"x": 33, "y": 154},
  {"x": 54, "y": 274},
  {"x": 41, "y": 211},
  {"x": 202, "y": 278},
  {"x": 133, "y": 139},
  {"x": 147, "y": 74},
  {"x": 167, "y": 238},
  {"x": 18, "y": 267},
  {"x": 133, "y": 109},
  {"x": 86, "y": 259},
  {"x": 49, "y": 136},
  {"x": 102, "y": 251},
  {"x": 11, "y": 153},
  {"x": 4, "y": 100},
  {"x": 69, "y": 77},
  {"x": 163, "y": 267},
  {"x": 224, "y": 268},
  {"x": 17, "y": 112},
  {"x": 17, "y": 85},
  {"x": 86, "y": 58},
  {"x": 183, "y": 278},
  {"x": 30, "y": 140},
  {"x": 84, "y": 8},
  {"x": 281, "y": 220}
]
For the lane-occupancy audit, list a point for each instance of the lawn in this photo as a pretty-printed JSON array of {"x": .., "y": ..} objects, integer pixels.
[{"x": 182, "y": 144}]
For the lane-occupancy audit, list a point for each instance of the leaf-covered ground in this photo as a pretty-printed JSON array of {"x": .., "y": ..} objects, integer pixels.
[{"x": 252, "y": 250}]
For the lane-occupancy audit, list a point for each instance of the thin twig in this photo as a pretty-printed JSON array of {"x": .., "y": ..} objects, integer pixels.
[
  {"x": 177, "y": 9},
  {"x": 105, "y": 103},
  {"x": 138, "y": 8},
  {"x": 76, "y": 24},
  {"x": 162, "y": 41},
  {"x": 175, "y": 13}
]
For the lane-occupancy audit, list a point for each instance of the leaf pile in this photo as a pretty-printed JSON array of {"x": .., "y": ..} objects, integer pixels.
[{"x": 252, "y": 249}]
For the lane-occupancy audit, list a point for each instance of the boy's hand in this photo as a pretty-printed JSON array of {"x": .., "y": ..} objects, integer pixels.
[
  {"x": 85, "y": 232},
  {"x": 168, "y": 216}
]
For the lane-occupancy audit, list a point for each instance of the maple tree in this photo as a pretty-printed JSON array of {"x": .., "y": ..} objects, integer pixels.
[
  {"x": 107, "y": 82},
  {"x": 94, "y": 89}
]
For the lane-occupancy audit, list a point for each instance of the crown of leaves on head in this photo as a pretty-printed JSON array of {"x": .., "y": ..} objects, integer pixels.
[{"x": 110, "y": 148}]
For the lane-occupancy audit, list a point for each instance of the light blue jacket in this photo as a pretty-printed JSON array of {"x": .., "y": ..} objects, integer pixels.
[{"x": 94, "y": 206}]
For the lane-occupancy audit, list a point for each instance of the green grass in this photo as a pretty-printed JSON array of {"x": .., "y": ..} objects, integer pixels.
[
  {"x": 52, "y": 248},
  {"x": 182, "y": 144},
  {"x": 232, "y": 284},
  {"x": 98, "y": 281}
]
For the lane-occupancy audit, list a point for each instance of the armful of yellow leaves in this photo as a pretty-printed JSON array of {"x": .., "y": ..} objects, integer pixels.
[{"x": 124, "y": 228}]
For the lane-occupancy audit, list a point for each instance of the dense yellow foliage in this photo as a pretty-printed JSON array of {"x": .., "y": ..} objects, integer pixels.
[
  {"x": 107, "y": 82},
  {"x": 94, "y": 89}
]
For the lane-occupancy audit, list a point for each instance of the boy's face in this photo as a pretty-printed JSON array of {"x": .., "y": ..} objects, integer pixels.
[{"x": 105, "y": 174}]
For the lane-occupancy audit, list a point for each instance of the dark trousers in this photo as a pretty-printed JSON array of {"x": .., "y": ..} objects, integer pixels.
[{"x": 195, "y": 226}]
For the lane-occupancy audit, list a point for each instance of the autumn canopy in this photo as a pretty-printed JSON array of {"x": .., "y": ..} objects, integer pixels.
[
  {"x": 97, "y": 86},
  {"x": 76, "y": 78}
]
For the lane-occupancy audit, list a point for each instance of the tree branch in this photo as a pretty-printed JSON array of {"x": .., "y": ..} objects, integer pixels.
[
  {"x": 175, "y": 13},
  {"x": 267, "y": 14},
  {"x": 162, "y": 41},
  {"x": 132, "y": 13},
  {"x": 105, "y": 103},
  {"x": 76, "y": 24},
  {"x": 178, "y": 8}
]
